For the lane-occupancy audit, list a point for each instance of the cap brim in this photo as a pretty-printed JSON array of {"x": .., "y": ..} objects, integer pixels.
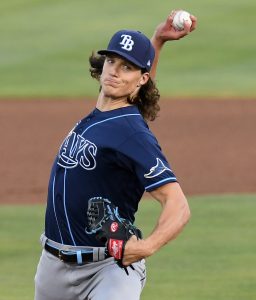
[{"x": 124, "y": 55}]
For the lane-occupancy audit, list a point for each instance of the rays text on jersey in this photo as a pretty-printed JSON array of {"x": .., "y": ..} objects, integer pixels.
[{"x": 75, "y": 151}]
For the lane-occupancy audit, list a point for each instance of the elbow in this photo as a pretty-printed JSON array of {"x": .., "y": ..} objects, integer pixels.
[{"x": 186, "y": 214}]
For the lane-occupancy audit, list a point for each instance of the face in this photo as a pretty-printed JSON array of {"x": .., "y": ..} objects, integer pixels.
[{"x": 120, "y": 78}]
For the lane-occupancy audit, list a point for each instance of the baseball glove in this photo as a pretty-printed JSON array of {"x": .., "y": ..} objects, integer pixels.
[{"x": 105, "y": 222}]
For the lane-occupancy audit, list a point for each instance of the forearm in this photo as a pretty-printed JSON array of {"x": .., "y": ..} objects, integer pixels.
[
  {"x": 175, "y": 214},
  {"x": 157, "y": 44},
  {"x": 170, "y": 223}
]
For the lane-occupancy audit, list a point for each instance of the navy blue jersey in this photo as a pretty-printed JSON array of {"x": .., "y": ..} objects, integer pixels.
[{"x": 110, "y": 154}]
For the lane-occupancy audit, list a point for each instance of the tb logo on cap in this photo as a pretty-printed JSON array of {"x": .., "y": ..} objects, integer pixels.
[{"x": 127, "y": 42}]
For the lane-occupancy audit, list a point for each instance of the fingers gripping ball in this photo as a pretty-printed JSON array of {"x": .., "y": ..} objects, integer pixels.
[
  {"x": 109, "y": 228},
  {"x": 180, "y": 17}
]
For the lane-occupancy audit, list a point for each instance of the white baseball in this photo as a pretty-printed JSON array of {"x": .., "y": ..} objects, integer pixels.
[{"x": 180, "y": 17}]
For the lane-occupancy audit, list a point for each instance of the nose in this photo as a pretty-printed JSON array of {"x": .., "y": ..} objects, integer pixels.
[{"x": 113, "y": 70}]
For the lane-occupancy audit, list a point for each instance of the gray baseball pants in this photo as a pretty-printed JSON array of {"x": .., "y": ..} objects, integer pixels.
[{"x": 102, "y": 280}]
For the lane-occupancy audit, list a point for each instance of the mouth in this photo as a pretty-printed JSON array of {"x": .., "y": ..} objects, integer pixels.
[{"x": 111, "y": 82}]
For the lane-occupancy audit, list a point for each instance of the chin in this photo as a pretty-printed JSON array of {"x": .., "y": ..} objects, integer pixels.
[
  {"x": 109, "y": 93},
  {"x": 113, "y": 93}
]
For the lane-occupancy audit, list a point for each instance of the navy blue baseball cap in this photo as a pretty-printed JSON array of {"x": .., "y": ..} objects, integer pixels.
[{"x": 133, "y": 46}]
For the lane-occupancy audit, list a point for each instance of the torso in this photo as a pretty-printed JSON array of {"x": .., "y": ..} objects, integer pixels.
[{"x": 107, "y": 154}]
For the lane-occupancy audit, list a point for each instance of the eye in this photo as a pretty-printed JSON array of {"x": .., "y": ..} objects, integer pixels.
[
  {"x": 109, "y": 60},
  {"x": 127, "y": 67}
]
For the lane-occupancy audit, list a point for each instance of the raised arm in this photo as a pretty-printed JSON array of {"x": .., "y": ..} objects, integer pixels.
[{"x": 165, "y": 32}]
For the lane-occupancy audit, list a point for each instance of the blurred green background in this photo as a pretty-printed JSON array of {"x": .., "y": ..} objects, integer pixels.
[{"x": 45, "y": 45}]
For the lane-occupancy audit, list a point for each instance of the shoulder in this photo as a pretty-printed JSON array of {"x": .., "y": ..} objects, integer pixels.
[{"x": 129, "y": 122}]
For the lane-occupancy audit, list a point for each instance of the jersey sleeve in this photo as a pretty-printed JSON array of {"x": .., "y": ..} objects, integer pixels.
[{"x": 149, "y": 163}]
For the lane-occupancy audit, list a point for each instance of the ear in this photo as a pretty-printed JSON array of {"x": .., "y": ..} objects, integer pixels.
[{"x": 144, "y": 78}]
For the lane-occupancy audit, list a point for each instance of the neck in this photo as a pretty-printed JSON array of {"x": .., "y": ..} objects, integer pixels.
[{"x": 106, "y": 103}]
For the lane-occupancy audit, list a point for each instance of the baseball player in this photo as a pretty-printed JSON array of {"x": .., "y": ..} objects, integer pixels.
[{"x": 91, "y": 249}]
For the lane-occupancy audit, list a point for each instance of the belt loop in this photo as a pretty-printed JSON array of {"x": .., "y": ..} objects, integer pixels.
[
  {"x": 60, "y": 255},
  {"x": 101, "y": 253},
  {"x": 43, "y": 239},
  {"x": 79, "y": 257},
  {"x": 95, "y": 255}
]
